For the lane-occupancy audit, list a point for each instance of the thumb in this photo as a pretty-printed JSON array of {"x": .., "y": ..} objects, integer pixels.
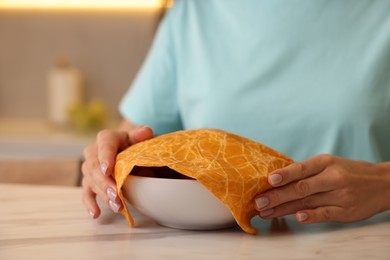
[{"x": 139, "y": 134}]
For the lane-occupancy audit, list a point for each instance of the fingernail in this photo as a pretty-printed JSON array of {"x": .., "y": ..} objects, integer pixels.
[
  {"x": 262, "y": 202},
  {"x": 302, "y": 216},
  {"x": 275, "y": 179},
  {"x": 114, "y": 206},
  {"x": 266, "y": 212},
  {"x": 103, "y": 167},
  {"x": 111, "y": 193},
  {"x": 90, "y": 212},
  {"x": 141, "y": 127}
]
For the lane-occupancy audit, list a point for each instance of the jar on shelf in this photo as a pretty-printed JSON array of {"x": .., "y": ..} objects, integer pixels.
[{"x": 65, "y": 88}]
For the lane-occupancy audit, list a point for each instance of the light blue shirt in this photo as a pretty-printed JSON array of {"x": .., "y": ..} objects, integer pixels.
[{"x": 303, "y": 77}]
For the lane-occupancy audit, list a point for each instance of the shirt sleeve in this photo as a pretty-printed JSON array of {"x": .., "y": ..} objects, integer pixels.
[{"x": 152, "y": 98}]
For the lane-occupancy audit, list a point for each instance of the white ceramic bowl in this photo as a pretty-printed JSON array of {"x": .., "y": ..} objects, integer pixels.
[{"x": 177, "y": 203}]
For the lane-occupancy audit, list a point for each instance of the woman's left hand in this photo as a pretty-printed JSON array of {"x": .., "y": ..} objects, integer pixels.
[{"x": 326, "y": 188}]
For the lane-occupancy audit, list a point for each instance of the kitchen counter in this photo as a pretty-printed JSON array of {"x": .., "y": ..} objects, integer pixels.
[
  {"x": 31, "y": 139},
  {"x": 33, "y": 151},
  {"x": 45, "y": 222}
]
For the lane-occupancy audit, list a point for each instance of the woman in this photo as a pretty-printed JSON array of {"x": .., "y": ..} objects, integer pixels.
[{"x": 307, "y": 78}]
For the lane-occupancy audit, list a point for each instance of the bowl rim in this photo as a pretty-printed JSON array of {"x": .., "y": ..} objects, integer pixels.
[{"x": 162, "y": 178}]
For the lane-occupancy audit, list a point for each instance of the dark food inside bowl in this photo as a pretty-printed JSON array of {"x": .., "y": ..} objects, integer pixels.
[{"x": 158, "y": 172}]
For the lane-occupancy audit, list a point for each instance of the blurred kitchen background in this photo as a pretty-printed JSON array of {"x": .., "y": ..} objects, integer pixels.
[{"x": 64, "y": 66}]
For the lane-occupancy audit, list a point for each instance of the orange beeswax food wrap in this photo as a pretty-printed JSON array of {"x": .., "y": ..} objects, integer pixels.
[{"x": 231, "y": 167}]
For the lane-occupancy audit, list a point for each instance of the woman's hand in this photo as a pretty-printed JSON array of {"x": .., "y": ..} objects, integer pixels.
[
  {"x": 99, "y": 163},
  {"x": 327, "y": 189}
]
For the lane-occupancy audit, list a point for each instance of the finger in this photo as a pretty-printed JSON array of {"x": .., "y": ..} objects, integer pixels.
[
  {"x": 90, "y": 151},
  {"x": 108, "y": 145},
  {"x": 311, "y": 202},
  {"x": 88, "y": 196},
  {"x": 102, "y": 186},
  {"x": 319, "y": 215},
  {"x": 111, "y": 142},
  {"x": 293, "y": 191},
  {"x": 105, "y": 188},
  {"x": 140, "y": 133},
  {"x": 89, "y": 201},
  {"x": 298, "y": 170}
]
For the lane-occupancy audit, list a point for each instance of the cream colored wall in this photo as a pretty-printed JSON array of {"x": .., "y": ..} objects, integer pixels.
[{"x": 108, "y": 47}]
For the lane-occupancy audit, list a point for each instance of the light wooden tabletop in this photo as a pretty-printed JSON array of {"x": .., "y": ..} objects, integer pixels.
[{"x": 47, "y": 222}]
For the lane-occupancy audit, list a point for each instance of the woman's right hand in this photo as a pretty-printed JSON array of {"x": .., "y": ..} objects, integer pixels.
[{"x": 98, "y": 167}]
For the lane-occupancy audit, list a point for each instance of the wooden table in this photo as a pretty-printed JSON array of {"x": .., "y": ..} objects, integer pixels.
[{"x": 47, "y": 222}]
